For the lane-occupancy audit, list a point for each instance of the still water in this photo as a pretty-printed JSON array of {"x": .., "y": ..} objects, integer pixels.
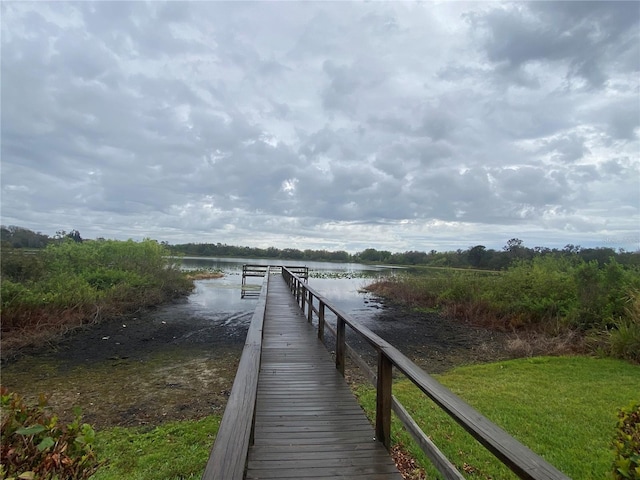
[{"x": 220, "y": 300}]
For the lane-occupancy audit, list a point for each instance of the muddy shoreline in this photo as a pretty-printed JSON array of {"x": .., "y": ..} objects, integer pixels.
[
  {"x": 436, "y": 343},
  {"x": 152, "y": 368}
]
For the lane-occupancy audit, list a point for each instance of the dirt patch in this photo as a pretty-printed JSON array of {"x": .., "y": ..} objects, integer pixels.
[
  {"x": 433, "y": 342},
  {"x": 134, "y": 370},
  {"x": 155, "y": 367},
  {"x": 170, "y": 385}
]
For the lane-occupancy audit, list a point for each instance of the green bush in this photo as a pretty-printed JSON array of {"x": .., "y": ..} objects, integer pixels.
[
  {"x": 35, "y": 446},
  {"x": 82, "y": 282},
  {"x": 626, "y": 464},
  {"x": 19, "y": 266},
  {"x": 548, "y": 294},
  {"x": 536, "y": 291},
  {"x": 624, "y": 337}
]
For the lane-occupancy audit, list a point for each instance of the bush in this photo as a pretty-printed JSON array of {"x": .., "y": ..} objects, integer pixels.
[
  {"x": 626, "y": 464},
  {"x": 35, "y": 446},
  {"x": 78, "y": 283},
  {"x": 552, "y": 295},
  {"x": 624, "y": 337},
  {"x": 19, "y": 266},
  {"x": 534, "y": 292}
]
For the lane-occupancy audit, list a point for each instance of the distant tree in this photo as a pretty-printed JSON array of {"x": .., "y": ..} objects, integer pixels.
[
  {"x": 476, "y": 256},
  {"x": 542, "y": 250},
  {"x": 373, "y": 255},
  {"x": 600, "y": 255},
  {"x": 339, "y": 256},
  {"x": 19, "y": 237},
  {"x": 571, "y": 249},
  {"x": 292, "y": 254},
  {"x": 517, "y": 251},
  {"x": 75, "y": 236},
  {"x": 513, "y": 245}
]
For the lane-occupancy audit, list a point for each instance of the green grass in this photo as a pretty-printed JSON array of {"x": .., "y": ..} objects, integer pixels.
[
  {"x": 563, "y": 408},
  {"x": 176, "y": 450}
]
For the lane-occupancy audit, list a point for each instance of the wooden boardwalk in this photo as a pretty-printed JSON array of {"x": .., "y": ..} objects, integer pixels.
[
  {"x": 290, "y": 414},
  {"x": 308, "y": 424}
]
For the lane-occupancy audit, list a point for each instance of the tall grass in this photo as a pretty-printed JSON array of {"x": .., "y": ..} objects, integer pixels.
[
  {"x": 552, "y": 295},
  {"x": 624, "y": 339},
  {"x": 71, "y": 283}
]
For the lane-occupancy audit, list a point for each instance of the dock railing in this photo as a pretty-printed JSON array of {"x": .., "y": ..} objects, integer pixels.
[
  {"x": 520, "y": 459},
  {"x": 228, "y": 457},
  {"x": 249, "y": 270}
]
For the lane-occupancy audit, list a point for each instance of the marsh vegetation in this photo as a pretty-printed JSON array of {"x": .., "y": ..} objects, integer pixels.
[
  {"x": 173, "y": 367},
  {"x": 571, "y": 304},
  {"x": 45, "y": 293}
]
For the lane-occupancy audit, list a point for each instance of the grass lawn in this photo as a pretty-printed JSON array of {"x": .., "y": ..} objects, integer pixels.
[
  {"x": 175, "y": 450},
  {"x": 563, "y": 408}
]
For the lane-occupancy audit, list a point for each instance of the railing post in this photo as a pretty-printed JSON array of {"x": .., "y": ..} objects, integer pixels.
[
  {"x": 383, "y": 400},
  {"x": 321, "y": 320},
  {"x": 340, "y": 344},
  {"x": 310, "y": 304},
  {"x": 303, "y": 299},
  {"x": 297, "y": 284}
]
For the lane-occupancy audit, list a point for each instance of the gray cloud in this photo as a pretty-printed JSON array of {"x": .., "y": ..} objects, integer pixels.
[{"x": 323, "y": 125}]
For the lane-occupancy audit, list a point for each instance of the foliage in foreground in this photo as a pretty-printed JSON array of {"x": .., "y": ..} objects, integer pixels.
[
  {"x": 175, "y": 450},
  {"x": 624, "y": 338},
  {"x": 563, "y": 408},
  {"x": 626, "y": 465},
  {"x": 74, "y": 283},
  {"x": 35, "y": 445},
  {"x": 546, "y": 294}
]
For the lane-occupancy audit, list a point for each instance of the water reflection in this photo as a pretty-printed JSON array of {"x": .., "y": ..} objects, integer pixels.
[{"x": 340, "y": 283}]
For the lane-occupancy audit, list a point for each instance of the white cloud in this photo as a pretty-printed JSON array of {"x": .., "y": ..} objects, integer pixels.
[{"x": 323, "y": 125}]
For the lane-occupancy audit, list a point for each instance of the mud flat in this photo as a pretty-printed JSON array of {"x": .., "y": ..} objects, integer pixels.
[{"x": 164, "y": 366}]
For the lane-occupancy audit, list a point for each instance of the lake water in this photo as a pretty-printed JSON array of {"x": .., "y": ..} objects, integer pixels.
[{"x": 220, "y": 300}]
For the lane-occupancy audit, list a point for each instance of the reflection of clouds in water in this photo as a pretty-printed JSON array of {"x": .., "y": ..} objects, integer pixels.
[
  {"x": 234, "y": 265},
  {"x": 219, "y": 300},
  {"x": 219, "y": 296}
]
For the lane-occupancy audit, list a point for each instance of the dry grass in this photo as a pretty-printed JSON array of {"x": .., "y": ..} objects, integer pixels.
[
  {"x": 532, "y": 344},
  {"x": 527, "y": 338},
  {"x": 42, "y": 327},
  {"x": 204, "y": 275}
]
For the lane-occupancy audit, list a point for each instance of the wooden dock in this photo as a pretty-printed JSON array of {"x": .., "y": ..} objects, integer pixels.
[
  {"x": 308, "y": 424},
  {"x": 291, "y": 415}
]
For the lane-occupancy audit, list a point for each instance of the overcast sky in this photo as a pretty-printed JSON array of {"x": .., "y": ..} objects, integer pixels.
[{"x": 398, "y": 126}]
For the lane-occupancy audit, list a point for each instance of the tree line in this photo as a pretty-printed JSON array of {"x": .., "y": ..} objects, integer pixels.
[{"x": 477, "y": 256}]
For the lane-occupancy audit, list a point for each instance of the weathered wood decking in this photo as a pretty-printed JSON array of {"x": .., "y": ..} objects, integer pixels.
[
  {"x": 307, "y": 422},
  {"x": 291, "y": 415}
]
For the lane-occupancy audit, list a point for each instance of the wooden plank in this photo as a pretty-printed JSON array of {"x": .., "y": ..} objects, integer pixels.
[
  {"x": 228, "y": 456},
  {"x": 335, "y": 449},
  {"x": 366, "y": 471},
  {"x": 516, "y": 456},
  {"x": 307, "y": 422}
]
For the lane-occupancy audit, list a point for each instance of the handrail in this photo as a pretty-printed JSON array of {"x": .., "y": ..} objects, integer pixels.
[
  {"x": 228, "y": 457},
  {"x": 255, "y": 270},
  {"x": 520, "y": 459}
]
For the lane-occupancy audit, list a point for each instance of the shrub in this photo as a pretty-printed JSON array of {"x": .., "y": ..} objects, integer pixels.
[
  {"x": 551, "y": 295},
  {"x": 34, "y": 445},
  {"x": 82, "y": 282},
  {"x": 533, "y": 292},
  {"x": 624, "y": 338},
  {"x": 626, "y": 464},
  {"x": 19, "y": 266}
]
